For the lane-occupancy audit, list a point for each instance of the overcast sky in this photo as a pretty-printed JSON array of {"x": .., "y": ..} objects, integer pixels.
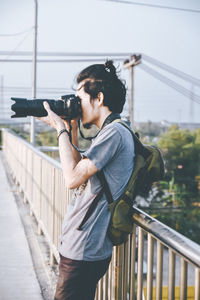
[{"x": 171, "y": 36}]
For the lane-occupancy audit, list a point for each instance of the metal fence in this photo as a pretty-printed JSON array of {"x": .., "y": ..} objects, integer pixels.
[{"x": 155, "y": 263}]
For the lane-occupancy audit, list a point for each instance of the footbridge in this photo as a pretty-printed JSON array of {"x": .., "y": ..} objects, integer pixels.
[{"x": 156, "y": 262}]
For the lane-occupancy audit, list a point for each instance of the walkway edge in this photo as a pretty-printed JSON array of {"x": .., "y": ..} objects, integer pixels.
[{"x": 40, "y": 268}]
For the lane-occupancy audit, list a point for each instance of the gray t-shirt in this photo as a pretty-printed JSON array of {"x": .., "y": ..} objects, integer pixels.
[{"x": 113, "y": 151}]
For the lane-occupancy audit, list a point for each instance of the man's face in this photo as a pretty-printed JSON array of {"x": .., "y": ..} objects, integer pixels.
[{"x": 90, "y": 108}]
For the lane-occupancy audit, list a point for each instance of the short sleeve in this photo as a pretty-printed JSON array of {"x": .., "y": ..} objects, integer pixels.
[{"x": 105, "y": 147}]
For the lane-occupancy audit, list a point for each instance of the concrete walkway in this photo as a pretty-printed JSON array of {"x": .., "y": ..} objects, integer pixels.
[{"x": 17, "y": 275}]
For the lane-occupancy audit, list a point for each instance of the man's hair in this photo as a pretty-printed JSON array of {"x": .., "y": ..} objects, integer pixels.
[{"x": 103, "y": 78}]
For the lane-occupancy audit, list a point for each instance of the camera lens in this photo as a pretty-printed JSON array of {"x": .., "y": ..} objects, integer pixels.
[{"x": 68, "y": 108}]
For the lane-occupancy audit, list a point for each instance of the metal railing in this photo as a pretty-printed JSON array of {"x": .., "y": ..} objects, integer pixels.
[
  {"x": 155, "y": 263},
  {"x": 40, "y": 180}
]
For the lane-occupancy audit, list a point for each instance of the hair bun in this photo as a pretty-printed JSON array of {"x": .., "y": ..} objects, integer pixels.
[{"x": 109, "y": 67}]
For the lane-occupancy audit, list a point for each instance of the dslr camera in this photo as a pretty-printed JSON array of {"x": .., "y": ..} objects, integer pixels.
[{"x": 68, "y": 108}]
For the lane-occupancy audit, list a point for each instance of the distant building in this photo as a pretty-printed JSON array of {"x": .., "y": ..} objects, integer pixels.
[{"x": 165, "y": 124}]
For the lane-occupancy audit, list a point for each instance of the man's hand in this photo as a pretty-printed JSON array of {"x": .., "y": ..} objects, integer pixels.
[
  {"x": 57, "y": 122},
  {"x": 52, "y": 119}
]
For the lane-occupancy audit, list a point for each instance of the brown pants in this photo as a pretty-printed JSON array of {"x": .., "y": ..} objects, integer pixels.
[{"x": 78, "y": 279}]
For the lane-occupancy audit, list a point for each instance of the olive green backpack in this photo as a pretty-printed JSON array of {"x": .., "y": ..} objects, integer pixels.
[{"x": 148, "y": 168}]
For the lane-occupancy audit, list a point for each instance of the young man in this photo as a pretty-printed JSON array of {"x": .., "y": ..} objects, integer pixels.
[{"x": 85, "y": 252}]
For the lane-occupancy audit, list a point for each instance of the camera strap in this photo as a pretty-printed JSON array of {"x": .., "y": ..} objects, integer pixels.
[
  {"x": 89, "y": 138},
  {"x": 70, "y": 138},
  {"x": 108, "y": 120}
]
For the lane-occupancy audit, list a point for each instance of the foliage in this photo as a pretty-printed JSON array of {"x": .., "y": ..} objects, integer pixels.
[
  {"x": 20, "y": 132},
  {"x": 173, "y": 200},
  {"x": 47, "y": 138},
  {"x": 182, "y": 155}
]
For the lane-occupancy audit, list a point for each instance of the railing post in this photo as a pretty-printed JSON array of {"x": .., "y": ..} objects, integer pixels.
[
  {"x": 197, "y": 284},
  {"x": 159, "y": 271},
  {"x": 25, "y": 180},
  {"x": 40, "y": 198},
  {"x": 125, "y": 273},
  {"x": 140, "y": 263},
  {"x": 132, "y": 266},
  {"x": 183, "y": 282},
  {"x": 171, "y": 280},
  {"x": 53, "y": 206},
  {"x": 116, "y": 271},
  {"x": 150, "y": 267},
  {"x": 110, "y": 279},
  {"x": 105, "y": 285},
  {"x": 100, "y": 290},
  {"x": 121, "y": 273}
]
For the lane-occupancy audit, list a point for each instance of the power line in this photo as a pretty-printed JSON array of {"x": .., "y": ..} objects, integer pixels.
[
  {"x": 75, "y": 54},
  {"x": 170, "y": 83},
  {"x": 39, "y": 91},
  {"x": 154, "y": 73},
  {"x": 155, "y": 6},
  {"x": 119, "y": 56},
  {"x": 18, "y": 45},
  {"x": 60, "y": 60},
  {"x": 39, "y": 88},
  {"x": 53, "y": 93},
  {"x": 18, "y": 33},
  {"x": 24, "y": 91},
  {"x": 171, "y": 70}
]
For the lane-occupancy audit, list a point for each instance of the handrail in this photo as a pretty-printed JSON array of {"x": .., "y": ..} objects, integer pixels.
[
  {"x": 151, "y": 244},
  {"x": 171, "y": 238},
  {"x": 39, "y": 179},
  {"x": 37, "y": 150}
]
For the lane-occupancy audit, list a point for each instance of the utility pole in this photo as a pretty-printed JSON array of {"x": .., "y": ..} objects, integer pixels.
[
  {"x": 130, "y": 64},
  {"x": 34, "y": 78}
]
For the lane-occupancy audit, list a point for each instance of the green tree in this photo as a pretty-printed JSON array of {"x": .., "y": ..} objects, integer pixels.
[
  {"x": 175, "y": 200},
  {"x": 181, "y": 150}
]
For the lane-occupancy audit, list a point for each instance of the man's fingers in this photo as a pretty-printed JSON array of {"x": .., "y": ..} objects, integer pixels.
[{"x": 46, "y": 106}]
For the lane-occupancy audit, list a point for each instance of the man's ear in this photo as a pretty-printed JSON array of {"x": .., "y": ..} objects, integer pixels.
[{"x": 100, "y": 97}]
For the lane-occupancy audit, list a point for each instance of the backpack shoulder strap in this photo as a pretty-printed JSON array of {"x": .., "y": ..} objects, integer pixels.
[
  {"x": 91, "y": 209},
  {"x": 105, "y": 185},
  {"x": 94, "y": 204},
  {"x": 139, "y": 147}
]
